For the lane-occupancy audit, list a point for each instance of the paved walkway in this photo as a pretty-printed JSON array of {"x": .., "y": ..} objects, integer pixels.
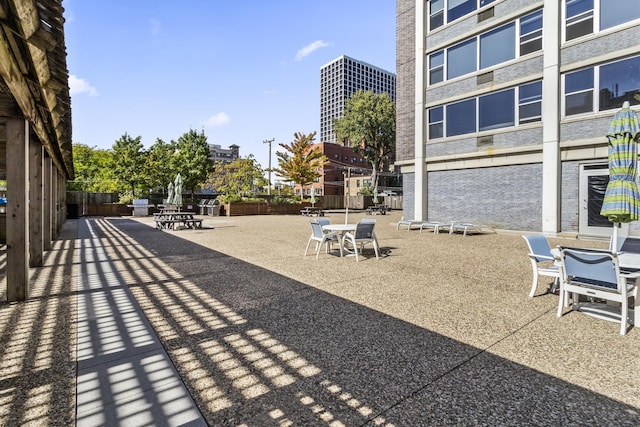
[{"x": 240, "y": 329}]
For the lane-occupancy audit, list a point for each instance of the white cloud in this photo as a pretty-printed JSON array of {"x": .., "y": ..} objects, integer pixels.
[
  {"x": 78, "y": 85},
  {"x": 309, "y": 49},
  {"x": 217, "y": 120}
]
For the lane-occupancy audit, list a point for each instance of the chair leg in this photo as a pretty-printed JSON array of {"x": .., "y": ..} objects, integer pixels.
[
  {"x": 624, "y": 314},
  {"x": 307, "y": 248},
  {"x": 375, "y": 247},
  {"x": 534, "y": 286}
]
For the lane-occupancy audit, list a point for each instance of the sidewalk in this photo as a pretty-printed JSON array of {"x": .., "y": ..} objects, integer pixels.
[{"x": 439, "y": 331}]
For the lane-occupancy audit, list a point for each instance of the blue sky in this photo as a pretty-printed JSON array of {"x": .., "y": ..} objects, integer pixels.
[{"x": 242, "y": 70}]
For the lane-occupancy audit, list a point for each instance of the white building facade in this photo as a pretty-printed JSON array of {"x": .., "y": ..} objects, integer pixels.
[
  {"x": 342, "y": 77},
  {"x": 504, "y": 105}
]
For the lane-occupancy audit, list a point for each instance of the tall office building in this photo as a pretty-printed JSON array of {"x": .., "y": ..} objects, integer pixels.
[
  {"x": 342, "y": 77},
  {"x": 504, "y": 106}
]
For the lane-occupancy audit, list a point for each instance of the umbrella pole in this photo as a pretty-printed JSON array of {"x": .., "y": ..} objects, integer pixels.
[{"x": 613, "y": 246}]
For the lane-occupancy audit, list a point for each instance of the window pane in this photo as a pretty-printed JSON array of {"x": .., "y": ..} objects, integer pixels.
[
  {"x": 436, "y": 20},
  {"x": 498, "y": 46},
  {"x": 619, "y": 81},
  {"x": 530, "y": 92},
  {"x": 436, "y": 76},
  {"x": 579, "y": 103},
  {"x": 435, "y": 131},
  {"x": 531, "y": 23},
  {"x": 435, "y": 114},
  {"x": 436, "y": 67},
  {"x": 485, "y": 2},
  {"x": 496, "y": 110},
  {"x": 461, "y": 117},
  {"x": 616, "y": 12},
  {"x": 579, "y": 80},
  {"x": 458, "y": 8},
  {"x": 576, "y": 7},
  {"x": 461, "y": 59},
  {"x": 579, "y": 29},
  {"x": 531, "y": 112}
]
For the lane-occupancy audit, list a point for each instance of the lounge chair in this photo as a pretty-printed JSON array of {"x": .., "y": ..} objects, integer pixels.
[
  {"x": 435, "y": 225},
  {"x": 596, "y": 275},
  {"x": 465, "y": 228},
  {"x": 409, "y": 223}
]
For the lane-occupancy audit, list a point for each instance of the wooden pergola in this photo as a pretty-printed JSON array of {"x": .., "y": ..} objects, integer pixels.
[{"x": 35, "y": 133}]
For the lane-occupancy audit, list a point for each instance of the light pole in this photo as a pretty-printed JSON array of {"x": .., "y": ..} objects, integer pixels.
[{"x": 269, "y": 141}]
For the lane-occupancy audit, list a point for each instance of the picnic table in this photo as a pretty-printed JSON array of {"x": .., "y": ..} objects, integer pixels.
[
  {"x": 170, "y": 219},
  {"x": 377, "y": 209},
  {"x": 311, "y": 211}
]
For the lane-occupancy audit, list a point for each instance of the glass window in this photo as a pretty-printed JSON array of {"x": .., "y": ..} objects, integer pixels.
[
  {"x": 579, "y": 18},
  {"x": 436, "y": 67},
  {"x": 498, "y": 45},
  {"x": 619, "y": 81},
  {"x": 436, "y": 14},
  {"x": 461, "y": 117},
  {"x": 435, "y": 122},
  {"x": 458, "y": 8},
  {"x": 578, "y": 91},
  {"x": 616, "y": 12},
  {"x": 496, "y": 110},
  {"x": 485, "y": 2},
  {"x": 461, "y": 59},
  {"x": 531, "y": 33},
  {"x": 530, "y": 102}
]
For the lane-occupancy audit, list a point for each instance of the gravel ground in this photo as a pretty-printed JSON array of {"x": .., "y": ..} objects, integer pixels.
[{"x": 438, "y": 331}]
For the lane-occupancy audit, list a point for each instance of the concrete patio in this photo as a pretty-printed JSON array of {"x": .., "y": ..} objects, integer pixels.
[{"x": 231, "y": 325}]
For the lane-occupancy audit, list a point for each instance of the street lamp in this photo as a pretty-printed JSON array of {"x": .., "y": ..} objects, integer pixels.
[{"x": 269, "y": 141}]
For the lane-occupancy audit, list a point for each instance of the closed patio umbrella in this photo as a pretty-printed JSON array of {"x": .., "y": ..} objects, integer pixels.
[
  {"x": 177, "y": 198},
  {"x": 170, "y": 193},
  {"x": 621, "y": 203},
  {"x": 312, "y": 192}
]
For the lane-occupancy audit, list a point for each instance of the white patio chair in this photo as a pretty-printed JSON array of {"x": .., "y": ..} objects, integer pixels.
[
  {"x": 363, "y": 234},
  {"x": 321, "y": 237},
  {"x": 596, "y": 275},
  {"x": 542, "y": 261}
]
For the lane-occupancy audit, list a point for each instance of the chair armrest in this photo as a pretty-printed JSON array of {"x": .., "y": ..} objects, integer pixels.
[
  {"x": 630, "y": 275},
  {"x": 543, "y": 257}
]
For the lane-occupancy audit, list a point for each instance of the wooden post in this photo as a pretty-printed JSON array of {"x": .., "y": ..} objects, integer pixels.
[
  {"x": 35, "y": 203},
  {"x": 17, "y": 212},
  {"x": 46, "y": 203}
]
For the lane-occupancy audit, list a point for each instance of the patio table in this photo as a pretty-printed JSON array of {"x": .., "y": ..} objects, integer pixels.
[{"x": 340, "y": 229}]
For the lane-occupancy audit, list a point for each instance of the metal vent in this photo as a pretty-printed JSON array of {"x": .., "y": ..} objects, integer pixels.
[
  {"x": 484, "y": 78},
  {"x": 482, "y": 141},
  {"x": 485, "y": 14}
]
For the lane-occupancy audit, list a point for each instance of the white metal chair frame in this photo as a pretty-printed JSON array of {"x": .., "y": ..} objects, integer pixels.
[
  {"x": 363, "y": 234},
  {"x": 321, "y": 237},
  {"x": 596, "y": 274},
  {"x": 542, "y": 260}
]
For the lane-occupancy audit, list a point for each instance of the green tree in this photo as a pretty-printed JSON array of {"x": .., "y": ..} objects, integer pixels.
[
  {"x": 92, "y": 169},
  {"x": 160, "y": 165},
  {"x": 191, "y": 160},
  {"x": 129, "y": 162},
  {"x": 239, "y": 178},
  {"x": 368, "y": 125},
  {"x": 301, "y": 162}
]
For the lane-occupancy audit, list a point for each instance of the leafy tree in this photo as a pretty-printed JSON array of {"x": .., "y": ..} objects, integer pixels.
[
  {"x": 129, "y": 162},
  {"x": 159, "y": 164},
  {"x": 301, "y": 163},
  {"x": 368, "y": 125},
  {"x": 191, "y": 160},
  {"x": 240, "y": 178},
  {"x": 92, "y": 169}
]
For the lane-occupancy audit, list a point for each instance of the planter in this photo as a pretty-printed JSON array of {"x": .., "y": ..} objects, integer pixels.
[{"x": 262, "y": 208}]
